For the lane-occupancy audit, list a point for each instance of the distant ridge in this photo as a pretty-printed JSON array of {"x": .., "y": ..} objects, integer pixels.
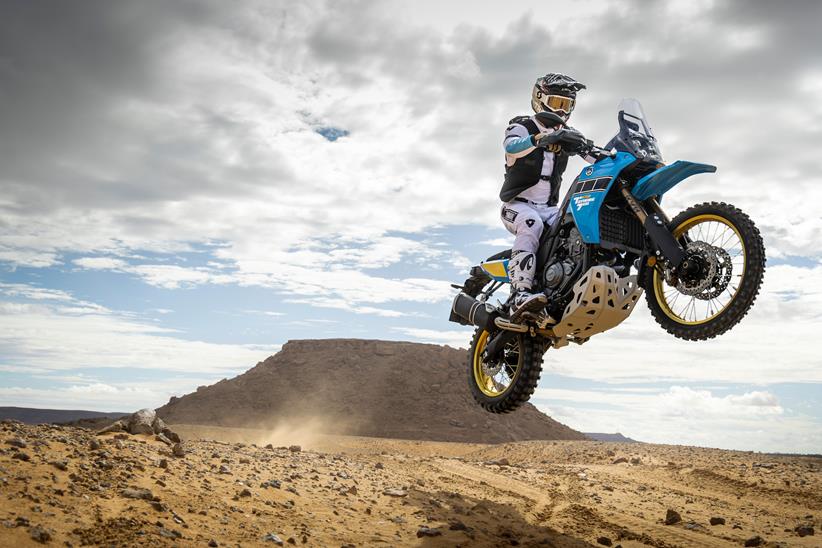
[
  {"x": 363, "y": 387},
  {"x": 31, "y": 415},
  {"x": 598, "y": 436}
]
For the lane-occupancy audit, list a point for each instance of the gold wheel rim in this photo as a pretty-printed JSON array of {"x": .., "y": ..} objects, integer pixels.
[
  {"x": 487, "y": 384},
  {"x": 660, "y": 285}
]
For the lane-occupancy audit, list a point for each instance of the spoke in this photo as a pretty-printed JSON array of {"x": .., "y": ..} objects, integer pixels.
[
  {"x": 728, "y": 239},
  {"x": 718, "y": 233}
]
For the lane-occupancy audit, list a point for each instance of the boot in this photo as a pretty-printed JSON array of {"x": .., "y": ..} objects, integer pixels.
[
  {"x": 521, "y": 269},
  {"x": 525, "y": 301}
]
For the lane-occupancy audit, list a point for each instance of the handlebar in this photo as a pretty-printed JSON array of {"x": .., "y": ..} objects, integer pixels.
[{"x": 598, "y": 151}]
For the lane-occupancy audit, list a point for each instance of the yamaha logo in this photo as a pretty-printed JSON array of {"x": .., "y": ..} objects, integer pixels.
[{"x": 589, "y": 171}]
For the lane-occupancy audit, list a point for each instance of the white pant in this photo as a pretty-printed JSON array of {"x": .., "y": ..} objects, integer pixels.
[{"x": 526, "y": 221}]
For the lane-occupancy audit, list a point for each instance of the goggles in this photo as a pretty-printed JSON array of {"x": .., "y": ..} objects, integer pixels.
[{"x": 558, "y": 103}]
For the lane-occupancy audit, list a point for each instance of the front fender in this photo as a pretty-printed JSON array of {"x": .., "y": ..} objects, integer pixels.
[{"x": 664, "y": 179}]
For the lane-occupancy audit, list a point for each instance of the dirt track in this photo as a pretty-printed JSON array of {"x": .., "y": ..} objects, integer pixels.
[{"x": 336, "y": 491}]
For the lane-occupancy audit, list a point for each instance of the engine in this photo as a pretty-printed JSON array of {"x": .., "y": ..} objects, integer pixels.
[{"x": 565, "y": 265}]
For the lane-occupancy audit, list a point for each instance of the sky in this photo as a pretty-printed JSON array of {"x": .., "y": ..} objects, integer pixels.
[{"x": 185, "y": 186}]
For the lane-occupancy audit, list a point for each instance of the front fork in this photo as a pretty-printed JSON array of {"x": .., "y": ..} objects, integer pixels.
[{"x": 656, "y": 226}]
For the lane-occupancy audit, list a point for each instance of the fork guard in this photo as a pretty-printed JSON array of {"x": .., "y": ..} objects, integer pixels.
[{"x": 601, "y": 301}]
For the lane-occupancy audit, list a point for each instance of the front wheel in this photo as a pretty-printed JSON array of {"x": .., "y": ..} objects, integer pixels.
[
  {"x": 507, "y": 383},
  {"x": 727, "y": 263}
]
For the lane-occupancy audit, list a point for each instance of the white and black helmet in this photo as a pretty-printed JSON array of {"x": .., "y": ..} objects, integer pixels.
[{"x": 555, "y": 93}]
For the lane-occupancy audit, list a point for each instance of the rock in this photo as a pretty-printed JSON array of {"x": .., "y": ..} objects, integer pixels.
[
  {"x": 224, "y": 469},
  {"x": 17, "y": 442},
  {"x": 694, "y": 526},
  {"x": 379, "y": 466},
  {"x": 804, "y": 530},
  {"x": 163, "y": 463},
  {"x": 116, "y": 426},
  {"x": 60, "y": 464},
  {"x": 636, "y": 460},
  {"x": 178, "y": 451},
  {"x": 94, "y": 444},
  {"x": 213, "y": 543},
  {"x": 672, "y": 516},
  {"x": 157, "y": 425},
  {"x": 755, "y": 541},
  {"x": 39, "y": 534},
  {"x": 21, "y": 456},
  {"x": 426, "y": 531},
  {"x": 458, "y": 526},
  {"x": 244, "y": 493},
  {"x": 167, "y": 432},
  {"x": 141, "y": 422},
  {"x": 164, "y": 439},
  {"x": 395, "y": 492},
  {"x": 295, "y": 448},
  {"x": 619, "y": 460},
  {"x": 271, "y": 537},
  {"x": 170, "y": 533},
  {"x": 605, "y": 541},
  {"x": 137, "y": 493},
  {"x": 717, "y": 521}
]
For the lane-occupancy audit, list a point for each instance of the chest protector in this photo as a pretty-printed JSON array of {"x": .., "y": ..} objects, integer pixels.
[{"x": 527, "y": 170}]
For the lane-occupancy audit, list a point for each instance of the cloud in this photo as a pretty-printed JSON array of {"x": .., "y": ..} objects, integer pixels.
[
  {"x": 123, "y": 396},
  {"x": 454, "y": 338},
  {"x": 753, "y": 420},
  {"x": 216, "y": 138},
  {"x": 72, "y": 335},
  {"x": 135, "y": 132}
]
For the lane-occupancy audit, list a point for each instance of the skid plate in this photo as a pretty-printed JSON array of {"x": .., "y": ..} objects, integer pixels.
[{"x": 602, "y": 300}]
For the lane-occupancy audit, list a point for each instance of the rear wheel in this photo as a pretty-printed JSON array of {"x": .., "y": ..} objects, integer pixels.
[
  {"x": 505, "y": 384},
  {"x": 727, "y": 263}
]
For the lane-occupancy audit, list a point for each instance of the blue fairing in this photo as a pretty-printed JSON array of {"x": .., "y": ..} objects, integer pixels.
[
  {"x": 593, "y": 184},
  {"x": 664, "y": 179}
]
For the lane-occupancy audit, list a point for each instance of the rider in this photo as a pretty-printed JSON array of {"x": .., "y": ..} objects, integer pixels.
[{"x": 536, "y": 154}]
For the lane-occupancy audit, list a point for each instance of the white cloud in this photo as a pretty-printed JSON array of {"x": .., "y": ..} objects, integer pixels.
[
  {"x": 750, "y": 421},
  {"x": 100, "y": 263},
  {"x": 46, "y": 337},
  {"x": 454, "y": 338},
  {"x": 124, "y": 396}
]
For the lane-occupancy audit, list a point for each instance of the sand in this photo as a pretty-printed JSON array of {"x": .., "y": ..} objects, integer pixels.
[{"x": 350, "y": 491}]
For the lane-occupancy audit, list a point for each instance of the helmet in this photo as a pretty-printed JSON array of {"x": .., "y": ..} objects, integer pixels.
[{"x": 555, "y": 93}]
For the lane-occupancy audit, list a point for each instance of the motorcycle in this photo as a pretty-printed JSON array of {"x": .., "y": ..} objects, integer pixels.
[{"x": 700, "y": 271}]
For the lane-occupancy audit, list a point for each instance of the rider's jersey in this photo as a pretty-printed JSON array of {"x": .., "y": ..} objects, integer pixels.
[{"x": 517, "y": 144}]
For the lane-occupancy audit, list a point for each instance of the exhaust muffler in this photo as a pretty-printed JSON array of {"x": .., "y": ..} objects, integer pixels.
[{"x": 466, "y": 310}]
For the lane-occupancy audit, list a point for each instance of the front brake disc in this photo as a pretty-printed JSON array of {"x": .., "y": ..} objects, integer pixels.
[{"x": 708, "y": 254}]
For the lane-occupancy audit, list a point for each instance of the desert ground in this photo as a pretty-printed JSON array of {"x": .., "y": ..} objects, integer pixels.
[{"x": 65, "y": 486}]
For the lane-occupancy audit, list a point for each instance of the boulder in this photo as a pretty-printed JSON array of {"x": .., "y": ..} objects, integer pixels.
[
  {"x": 157, "y": 425},
  {"x": 141, "y": 422}
]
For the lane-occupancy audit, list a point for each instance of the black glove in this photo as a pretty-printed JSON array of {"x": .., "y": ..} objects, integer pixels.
[{"x": 567, "y": 140}]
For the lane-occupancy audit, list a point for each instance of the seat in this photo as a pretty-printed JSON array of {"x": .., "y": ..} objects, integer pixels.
[{"x": 498, "y": 256}]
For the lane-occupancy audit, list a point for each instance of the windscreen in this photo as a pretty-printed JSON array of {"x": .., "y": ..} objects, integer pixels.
[{"x": 635, "y": 133}]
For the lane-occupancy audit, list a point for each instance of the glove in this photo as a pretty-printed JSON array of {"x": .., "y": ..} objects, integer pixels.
[
  {"x": 567, "y": 140},
  {"x": 548, "y": 141}
]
